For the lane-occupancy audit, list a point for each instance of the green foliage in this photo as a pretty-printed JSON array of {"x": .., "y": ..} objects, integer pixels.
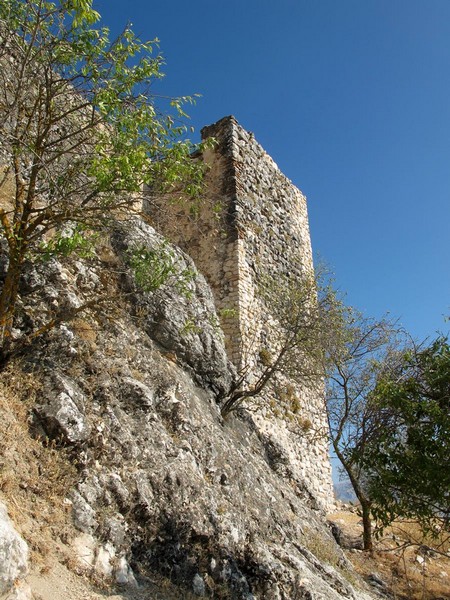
[
  {"x": 109, "y": 81},
  {"x": 407, "y": 464},
  {"x": 184, "y": 282},
  {"x": 81, "y": 131},
  {"x": 227, "y": 313},
  {"x": 151, "y": 268},
  {"x": 388, "y": 407},
  {"x": 78, "y": 240},
  {"x": 154, "y": 268},
  {"x": 190, "y": 327}
]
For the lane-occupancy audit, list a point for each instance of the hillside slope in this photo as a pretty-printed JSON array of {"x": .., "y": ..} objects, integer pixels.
[{"x": 116, "y": 467}]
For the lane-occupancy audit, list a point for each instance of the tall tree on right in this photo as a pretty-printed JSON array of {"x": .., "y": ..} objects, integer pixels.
[
  {"x": 355, "y": 350},
  {"x": 407, "y": 464},
  {"x": 388, "y": 408}
]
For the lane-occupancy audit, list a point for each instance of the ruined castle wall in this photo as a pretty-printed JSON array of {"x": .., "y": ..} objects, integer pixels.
[
  {"x": 210, "y": 236},
  {"x": 274, "y": 241},
  {"x": 253, "y": 224},
  {"x": 273, "y": 231}
]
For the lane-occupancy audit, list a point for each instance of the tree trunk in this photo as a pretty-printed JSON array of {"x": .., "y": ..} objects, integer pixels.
[
  {"x": 367, "y": 525},
  {"x": 362, "y": 498},
  {"x": 8, "y": 301}
]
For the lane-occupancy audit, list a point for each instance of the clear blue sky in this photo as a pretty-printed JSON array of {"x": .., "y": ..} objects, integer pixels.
[{"x": 352, "y": 100}]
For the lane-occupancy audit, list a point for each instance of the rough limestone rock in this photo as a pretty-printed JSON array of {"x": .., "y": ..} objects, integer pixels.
[
  {"x": 180, "y": 315},
  {"x": 13, "y": 554},
  {"x": 166, "y": 488},
  {"x": 64, "y": 415}
]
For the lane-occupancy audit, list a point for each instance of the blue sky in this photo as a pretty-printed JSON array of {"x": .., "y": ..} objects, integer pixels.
[{"x": 352, "y": 100}]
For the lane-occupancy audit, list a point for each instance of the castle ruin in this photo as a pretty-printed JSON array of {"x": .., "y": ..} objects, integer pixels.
[{"x": 253, "y": 221}]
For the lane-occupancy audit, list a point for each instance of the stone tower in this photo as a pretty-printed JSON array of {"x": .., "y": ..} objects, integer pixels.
[{"x": 253, "y": 221}]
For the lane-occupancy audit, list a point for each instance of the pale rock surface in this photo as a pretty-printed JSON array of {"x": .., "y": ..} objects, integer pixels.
[
  {"x": 13, "y": 558},
  {"x": 166, "y": 489}
]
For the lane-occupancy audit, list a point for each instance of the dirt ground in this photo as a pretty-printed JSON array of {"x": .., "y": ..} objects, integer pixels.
[
  {"x": 58, "y": 583},
  {"x": 404, "y": 566}
]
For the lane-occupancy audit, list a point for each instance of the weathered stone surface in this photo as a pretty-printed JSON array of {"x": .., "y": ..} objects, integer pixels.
[
  {"x": 100, "y": 559},
  {"x": 3, "y": 258},
  {"x": 171, "y": 490},
  {"x": 198, "y": 586},
  {"x": 183, "y": 320},
  {"x": 63, "y": 414},
  {"x": 83, "y": 513},
  {"x": 13, "y": 554},
  {"x": 345, "y": 541},
  {"x": 166, "y": 488}
]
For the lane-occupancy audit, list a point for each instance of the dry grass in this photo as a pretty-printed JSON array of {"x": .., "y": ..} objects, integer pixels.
[
  {"x": 7, "y": 189},
  {"x": 34, "y": 476},
  {"x": 85, "y": 330},
  {"x": 321, "y": 546},
  {"x": 413, "y": 567}
]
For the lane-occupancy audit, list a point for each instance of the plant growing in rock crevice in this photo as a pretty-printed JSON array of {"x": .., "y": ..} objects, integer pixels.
[{"x": 154, "y": 267}]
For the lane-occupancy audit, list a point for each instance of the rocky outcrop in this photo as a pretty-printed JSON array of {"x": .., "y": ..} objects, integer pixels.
[
  {"x": 165, "y": 488},
  {"x": 180, "y": 315}
]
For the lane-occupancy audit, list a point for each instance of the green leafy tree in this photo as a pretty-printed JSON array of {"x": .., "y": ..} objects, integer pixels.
[
  {"x": 80, "y": 132},
  {"x": 388, "y": 407},
  {"x": 407, "y": 464},
  {"x": 356, "y": 349}
]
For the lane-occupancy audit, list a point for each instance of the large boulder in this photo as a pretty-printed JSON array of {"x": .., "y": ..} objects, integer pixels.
[{"x": 179, "y": 313}]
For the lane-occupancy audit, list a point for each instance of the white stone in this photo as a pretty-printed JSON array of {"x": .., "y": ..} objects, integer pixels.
[
  {"x": 234, "y": 534},
  {"x": 104, "y": 559},
  {"x": 124, "y": 573},
  {"x": 198, "y": 585},
  {"x": 84, "y": 546},
  {"x": 13, "y": 553},
  {"x": 92, "y": 556}
]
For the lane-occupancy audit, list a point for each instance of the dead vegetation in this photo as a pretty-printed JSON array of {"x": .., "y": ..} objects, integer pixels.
[
  {"x": 405, "y": 564},
  {"x": 35, "y": 475}
]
